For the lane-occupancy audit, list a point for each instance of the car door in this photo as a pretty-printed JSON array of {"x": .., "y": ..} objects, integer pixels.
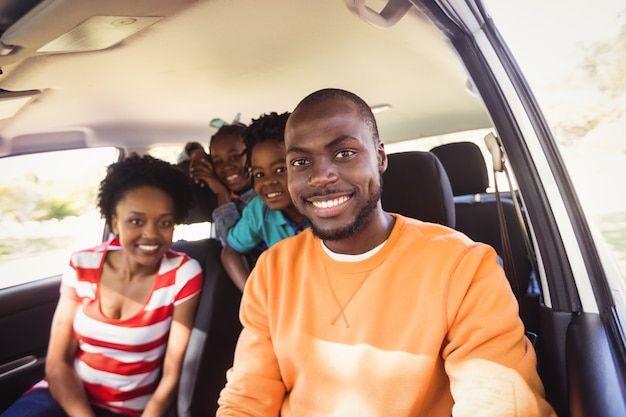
[
  {"x": 48, "y": 210},
  {"x": 581, "y": 349}
]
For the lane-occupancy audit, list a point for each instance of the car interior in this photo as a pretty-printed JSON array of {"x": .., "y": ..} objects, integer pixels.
[{"x": 468, "y": 148}]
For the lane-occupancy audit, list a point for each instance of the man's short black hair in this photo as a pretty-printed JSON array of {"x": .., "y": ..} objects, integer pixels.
[
  {"x": 325, "y": 94},
  {"x": 137, "y": 171},
  {"x": 267, "y": 127}
]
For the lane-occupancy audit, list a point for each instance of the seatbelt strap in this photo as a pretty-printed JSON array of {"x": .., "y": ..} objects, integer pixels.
[
  {"x": 509, "y": 267},
  {"x": 507, "y": 255}
]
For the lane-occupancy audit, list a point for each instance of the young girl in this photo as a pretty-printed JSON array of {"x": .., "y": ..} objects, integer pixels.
[{"x": 224, "y": 171}]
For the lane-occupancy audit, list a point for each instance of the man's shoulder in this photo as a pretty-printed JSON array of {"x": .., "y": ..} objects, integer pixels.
[{"x": 409, "y": 228}]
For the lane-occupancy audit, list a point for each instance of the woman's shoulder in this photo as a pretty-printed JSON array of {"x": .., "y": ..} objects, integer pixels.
[{"x": 93, "y": 255}]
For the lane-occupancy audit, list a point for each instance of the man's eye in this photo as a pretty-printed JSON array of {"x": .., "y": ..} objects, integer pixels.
[
  {"x": 344, "y": 153},
  {"x": 299, "y": 162}
]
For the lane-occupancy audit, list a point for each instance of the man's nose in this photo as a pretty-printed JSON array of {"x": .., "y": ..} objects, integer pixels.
[{"x": 322, "y": 173}]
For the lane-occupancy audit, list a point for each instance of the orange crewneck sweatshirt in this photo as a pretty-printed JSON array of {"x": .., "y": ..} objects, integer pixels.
[{"x": 428, "y": 326}]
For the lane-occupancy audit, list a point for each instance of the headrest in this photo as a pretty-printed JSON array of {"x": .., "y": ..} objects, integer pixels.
[
  {"x": 416, "y": 185},
  {"x": 465, "y": 166},
  {"x": 204, "y": 200}
]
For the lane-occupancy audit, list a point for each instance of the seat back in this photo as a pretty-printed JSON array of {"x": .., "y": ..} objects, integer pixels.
[
  {"x": 204, "y": 200},
  {"x": 214, "y": 335},
  {"x": 477, "y": 216},
  {"x": 416, "y": 185}
]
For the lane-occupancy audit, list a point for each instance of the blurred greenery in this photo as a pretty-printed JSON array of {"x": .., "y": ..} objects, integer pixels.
[
  {"x": 601, "y": 78},
  {"x": 28, "y": 198},
  {"x": 612, "y": 226}
]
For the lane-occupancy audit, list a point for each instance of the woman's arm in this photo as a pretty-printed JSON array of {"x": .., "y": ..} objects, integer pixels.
[
  {"x": 236, "y": 265},
  {"x": 182, "y": 322},
  {"x": 65, "y": 385}
]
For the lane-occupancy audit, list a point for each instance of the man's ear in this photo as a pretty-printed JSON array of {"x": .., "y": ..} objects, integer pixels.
[{"x": 382, "y": 157}]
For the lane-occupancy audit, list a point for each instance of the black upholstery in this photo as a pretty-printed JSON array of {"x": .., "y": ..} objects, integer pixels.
[
  {"x": 204, "y": 200},
  {"x": 465, "y": 178},
  {"x": 214, "y": 335},
  {"x": 416, "y": 185},
  {"x": 477, "y": 214}
]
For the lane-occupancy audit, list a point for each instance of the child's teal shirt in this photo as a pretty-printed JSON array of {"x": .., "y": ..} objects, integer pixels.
[{"x": 259, "y": 224}]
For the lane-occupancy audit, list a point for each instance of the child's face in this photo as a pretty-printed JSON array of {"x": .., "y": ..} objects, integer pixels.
[
  {"x": 228, "y": 158},
  {"x": 269, "y": 174}
]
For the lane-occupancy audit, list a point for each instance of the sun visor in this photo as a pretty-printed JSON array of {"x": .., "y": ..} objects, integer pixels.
[{"x": 48, "y": 141}]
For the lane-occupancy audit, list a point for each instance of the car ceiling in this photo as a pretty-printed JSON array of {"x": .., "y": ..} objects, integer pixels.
[{"x": 210, "y": 59}]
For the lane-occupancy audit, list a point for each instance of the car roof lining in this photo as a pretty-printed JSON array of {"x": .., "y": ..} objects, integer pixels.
[{"x": 168, "y": 84}]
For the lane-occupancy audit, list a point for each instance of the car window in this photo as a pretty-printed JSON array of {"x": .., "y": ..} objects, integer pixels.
[
  {"x": 170, "y": 153},
  {"x": 174, "y": 154},
  {"x": 48, "y": 210},
  {"x": 578, "y": 78}
]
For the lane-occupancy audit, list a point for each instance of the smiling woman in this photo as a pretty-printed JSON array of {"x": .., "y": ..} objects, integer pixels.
[{"x": 127, "y": 303}]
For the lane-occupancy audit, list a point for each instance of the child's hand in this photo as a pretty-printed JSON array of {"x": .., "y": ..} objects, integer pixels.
[{"x": 201, "y": 171}]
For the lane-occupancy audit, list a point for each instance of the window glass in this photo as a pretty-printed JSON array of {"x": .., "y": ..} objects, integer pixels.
[
  {"x": 579, "y": 78},
  {"x": 48, "y": 210},
  {"x": 170, "y": 153},
  {"x": 174, "y": 154}
]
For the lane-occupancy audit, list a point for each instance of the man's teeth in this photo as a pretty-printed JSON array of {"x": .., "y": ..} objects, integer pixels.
[
  {"x": 330, "y": 203},
  {"x": 148, "y": 247}
]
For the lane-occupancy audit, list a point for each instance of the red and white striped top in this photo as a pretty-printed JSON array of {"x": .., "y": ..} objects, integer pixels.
[{"x": 119, "y": 361}]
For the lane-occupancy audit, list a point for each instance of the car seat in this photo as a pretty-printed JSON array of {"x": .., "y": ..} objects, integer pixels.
[
  {"x": 477, "y": 216},
  {"x": 216, "y": 327},
  {"x": 204, "y": 200},
  {"x": 214, "y": 335},
  {"x": 416, "y": 185}
]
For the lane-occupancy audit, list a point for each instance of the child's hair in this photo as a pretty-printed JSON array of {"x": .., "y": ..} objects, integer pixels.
[
  {"x": 137, "y": 171},
  {"x": 266, "y": 127},
  {"x": 234, "y": 129}
]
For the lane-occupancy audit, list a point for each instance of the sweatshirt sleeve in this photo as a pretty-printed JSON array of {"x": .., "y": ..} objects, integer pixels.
[
  {"x": 254, "y": 386},
  {"x": 490, "y": 362}
]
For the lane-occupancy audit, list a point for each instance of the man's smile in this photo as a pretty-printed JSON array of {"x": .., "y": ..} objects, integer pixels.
[{"x": 326, "y": 204}]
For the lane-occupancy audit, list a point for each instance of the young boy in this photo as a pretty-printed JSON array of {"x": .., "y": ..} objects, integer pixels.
[{"x": 270, "y": 216}]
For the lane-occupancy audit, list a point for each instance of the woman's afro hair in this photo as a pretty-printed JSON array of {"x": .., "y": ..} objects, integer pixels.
[{"x": 137, "y": 171}]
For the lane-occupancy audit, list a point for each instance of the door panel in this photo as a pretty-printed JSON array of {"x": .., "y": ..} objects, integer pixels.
[
  {"x": 25, "y": 316},
  {"x": 595, "y": 383}
]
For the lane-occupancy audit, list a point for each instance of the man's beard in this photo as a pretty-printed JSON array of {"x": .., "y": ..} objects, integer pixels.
[{"x": 352, "y": 229}]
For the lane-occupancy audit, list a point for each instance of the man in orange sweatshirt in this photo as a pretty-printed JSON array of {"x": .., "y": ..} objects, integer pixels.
[{"x": 370, "y": 313}]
